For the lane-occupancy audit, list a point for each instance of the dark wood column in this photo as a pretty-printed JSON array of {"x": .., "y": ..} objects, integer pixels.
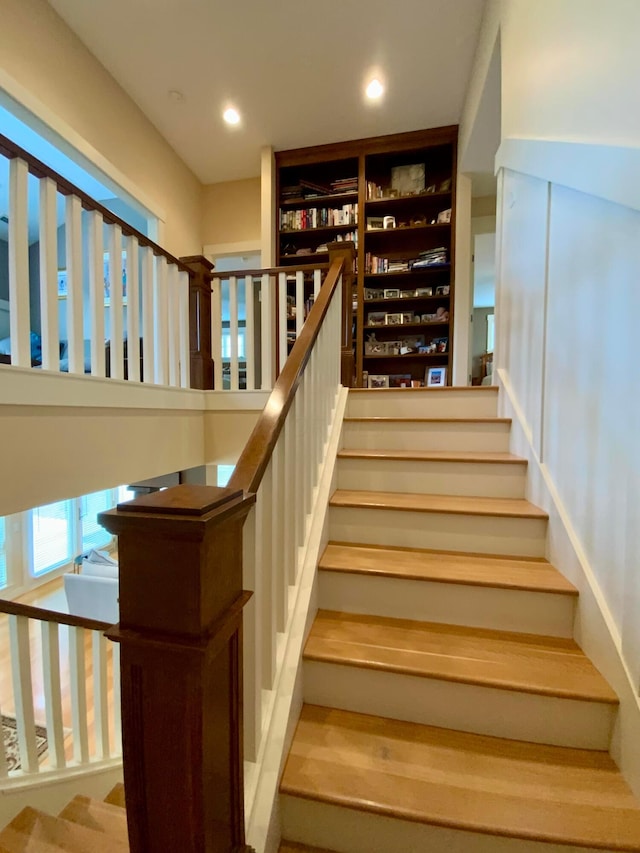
[
  {"x": 346, "y": 250},
  {"x": 181, "y": 600},
  {"x": 200, "y": 320}
]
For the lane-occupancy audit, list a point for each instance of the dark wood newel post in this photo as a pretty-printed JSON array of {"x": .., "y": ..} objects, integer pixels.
[
  {"x": 200, "y": 320},
  {"x": 180, "y": 636},
  {"x": 347, "y": 251}
]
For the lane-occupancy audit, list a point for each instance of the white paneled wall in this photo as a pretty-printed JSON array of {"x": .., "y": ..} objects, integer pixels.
[{"x": 567, "y": 312}]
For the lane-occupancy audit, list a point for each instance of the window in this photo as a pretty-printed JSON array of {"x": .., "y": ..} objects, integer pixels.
[
  {"x": 52, "y": 536},
  {"x": 93, "y": 534},
  {"x": 3, "y": 555},
  {"x": 490, "y": 331},
  {"x": 225, "y": 342}
]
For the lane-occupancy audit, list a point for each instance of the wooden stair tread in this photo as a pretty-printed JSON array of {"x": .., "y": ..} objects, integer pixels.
[
  {"x": 548, "y": 666},
  {"x": 451, "y": 420},
  {"x": 460, "y": 780},
  {"x": 96, "y": 815},
  {"x": 434, "y": 456},
  {"x": 464, "y": 389},
  {"x": 116, "y": 796},
  {"x": 35, "y": 830},
  {"x": 455, "y": 504},
  {"x": 445, "y": 567}
]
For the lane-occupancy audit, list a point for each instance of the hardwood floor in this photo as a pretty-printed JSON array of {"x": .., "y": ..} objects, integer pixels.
[{"x": 51, "y": 597}]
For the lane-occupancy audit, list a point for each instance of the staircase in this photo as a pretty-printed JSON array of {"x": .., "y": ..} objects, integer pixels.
[
  {"x": 83, "y": 826},
  {"x": 447, "y": 707}
]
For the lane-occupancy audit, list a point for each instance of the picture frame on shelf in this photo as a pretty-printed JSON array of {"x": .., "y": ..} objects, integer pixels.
[
  {"x": 408, "y": 180},
  {"x": 376, "y": 318},
  {"x": 391, "y": 293},
  {"x": 393, "y": 319},
  {"x": 375, "y": 347},
  {"x": 442, "y": 290},
  {"x": 377, "y": 380},
  {"x": 436, "y": 377},
  {"x": 444, "y": 217},
  {"x": 408, "y": 317},
  {"x": 373, "y": 293},
  {"x": 375, "y": 223},
  {"x": 424, "y": 291},
  {"x": 400, "y": 380},
  {"x": 393, "y": 347}
]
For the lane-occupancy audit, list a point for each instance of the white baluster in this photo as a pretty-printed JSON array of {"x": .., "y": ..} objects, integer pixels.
[
  {"x": 161, "y": 321},
  {"x": 306, "y": 445},
  {"x": 300, "y": 302},
  {"x": 283, "y": 324},
  {"x": 23, "y": 692},
  {"x": 96, "y": 292},
  {"x": 52, "y": 693},
  {"x": 317, "y": 283},
  {"x": 252, "y": 633},
  {"x": 115, "y": 302},
  {"x": 48, "y": 233},
  {"x": 265, "y": 567},
  {"x": 173, "y": 297},
  {"x": 280, "y": 590},
  {"x": 73, "y": 241},
  {"x": 19, "y": 319},
  {"x": 266, "y": 334},
  {"x": 299, "y": 505},
  {"x": 100, "y": 694},
  {"x": 78, "y": 679},
  {"x": 117, "y": 710},
  {"x": 184, "y": 348},
  {"x": 148, "y": 325},
  {"x": 216, "y": 332},
  {"x": 249, "y": 334},
  {"x": 133, "y": 309},
  {"x": 290, "y": 496},
  {"x": 233, "y": 334},
  {"x": 4, "y": 768}
]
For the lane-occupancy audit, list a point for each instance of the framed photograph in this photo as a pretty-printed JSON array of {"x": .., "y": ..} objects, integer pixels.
[
  {"x": 408, "y": 317},
  {"x": 408, "y": 180},
  {"x": 376, "y": 318},
  {"x": 442, "y": 290},
  {"x": 375, "y": 347},
  {"x": 62, "y": 283},
  {"x": 370, "y": 293},
  {"x": 374, "y": 223},
  {"x": 391, "y": 293},
  {"x": 389, "y": 222},
  {"x": 400, "y": 380},
  {"x": 444, "y": 216},
  {"x": 376, "y": 380},
  {"x": 393, "y": 347},
  {"x": 424, "y": 291},
  {"x": 393, "y": 319},
  {"x": 436, "y": 377},
  {"x": 442, "y": 344}
]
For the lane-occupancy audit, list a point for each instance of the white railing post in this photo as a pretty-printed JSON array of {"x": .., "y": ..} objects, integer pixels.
[
  {"x": 148, "y": 319},
  {"x": 161, "y": 321},
  {"x": 249, "y": 334},
  {"x": 300, "y": 302},
  {"x": 216, "y": 331},
  {"x": 317, "y": 283},
  {"x": 264, "y": 511},
  {"x": 78, "y": 676},
  {"x": 283, "y": 320},
  {"x": 133, "y": 310},
  {"x": 234, "y": 367},
  {"x": 173, "y": 299},
  {"x": 252, "y": 634},
  {"x": 184, "y": 348},
  {"x": 23, "y": 692},
  {"x": 96, "y": 292},
  {"x": 290, "y": 496},
  {"x": 19, "y": 317},
  {"x": 75, "y": 331},
  {"x": 266, "y": 334},
  {"x": 278, "y": 516},
  {"x": 115, "y": 302},
  {"x": 117, "y": 709},
  {"x": 52, "y": 693},
  {"x": 48, "y": 233},
  {"x": 100, "y": 695}
]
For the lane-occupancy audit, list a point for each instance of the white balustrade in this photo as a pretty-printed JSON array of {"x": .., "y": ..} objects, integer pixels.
[
  {"x": 49, "y": 320},
  {"x": 79, "y": 705},
  {"x": 19, "y": 263},
  {"x": 277, "y": 529}
]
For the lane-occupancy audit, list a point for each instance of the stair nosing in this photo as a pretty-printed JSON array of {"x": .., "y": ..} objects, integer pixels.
[
  {"x": 457, "y": 678},
  {"x": 533, "y": 513},
  {"x": 383, "y": 419},
  {"x": 468, "y": 389},
  {"x": 473, "y": 458}
]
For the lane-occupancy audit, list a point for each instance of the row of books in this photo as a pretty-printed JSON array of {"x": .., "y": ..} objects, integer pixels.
[
  {"x": 339, "y": 238},
  {"x": 318, "y": 217},
  {"x": 428, "y": 258},
  {"x": 345, "y": 185}
]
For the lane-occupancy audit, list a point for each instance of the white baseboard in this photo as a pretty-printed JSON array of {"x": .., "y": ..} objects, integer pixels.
[
  {"x": 282, "y": 709},
  {"x": 595, "y": 628}
]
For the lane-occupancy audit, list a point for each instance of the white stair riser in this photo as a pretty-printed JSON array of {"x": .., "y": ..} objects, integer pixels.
[
  {"x": 412, "y": 435},
  {"x": 348, "y": 830},
  {"x": 523, "y": 611},
  {"x": 524, "y": 537},
  {"x": 487, "y": 479},
  {"x": 464, "y": 707},
  {"x": 460, "y": 403}
]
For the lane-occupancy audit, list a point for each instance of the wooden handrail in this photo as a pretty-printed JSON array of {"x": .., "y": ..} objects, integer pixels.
[
  {"x": 13, "y": 608},
  {"x": 271, "y": 270},
  {"x": 40, "y": 170},
  {"x": 255, "y": 457}
]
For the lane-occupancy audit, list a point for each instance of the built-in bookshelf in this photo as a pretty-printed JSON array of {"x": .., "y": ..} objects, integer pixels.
[{"x": 394, "y": 198}]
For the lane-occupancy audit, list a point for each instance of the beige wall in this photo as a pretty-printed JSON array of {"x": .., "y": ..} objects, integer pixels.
[
  {"x": 231, "y": 212},
  {"x": 40, "y": 52}
]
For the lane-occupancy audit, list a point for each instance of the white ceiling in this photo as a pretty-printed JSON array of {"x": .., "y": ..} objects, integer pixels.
[{"x": 294, "y": 68}]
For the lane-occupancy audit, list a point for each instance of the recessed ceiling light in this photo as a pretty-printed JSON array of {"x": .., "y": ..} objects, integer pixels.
[
  {"x": 374, "y": 90},
  {"x": 231, "y": 116}
]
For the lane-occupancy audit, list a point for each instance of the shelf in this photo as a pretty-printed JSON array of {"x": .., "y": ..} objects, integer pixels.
[
  {"x": 403, "y": 299},
  {"x": 352, "y": 227},
  {"x": 409, "y": 273},
  {"x": 406, "y": 325},
  {"x": 405, "y": 199},
  {"x": 409, "y": 355},
  {"x": 407, "y": 229},
  {"x": 300, "y": 257},
  {"x": 320, "y": 201}
]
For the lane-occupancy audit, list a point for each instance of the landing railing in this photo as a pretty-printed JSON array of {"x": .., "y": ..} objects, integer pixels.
[
  {"x": 256, "y": 316},
  {"x": 192, "y": 559},
  {"x": 61, "y": 692},
  {"x": 111, "y": 301}
]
